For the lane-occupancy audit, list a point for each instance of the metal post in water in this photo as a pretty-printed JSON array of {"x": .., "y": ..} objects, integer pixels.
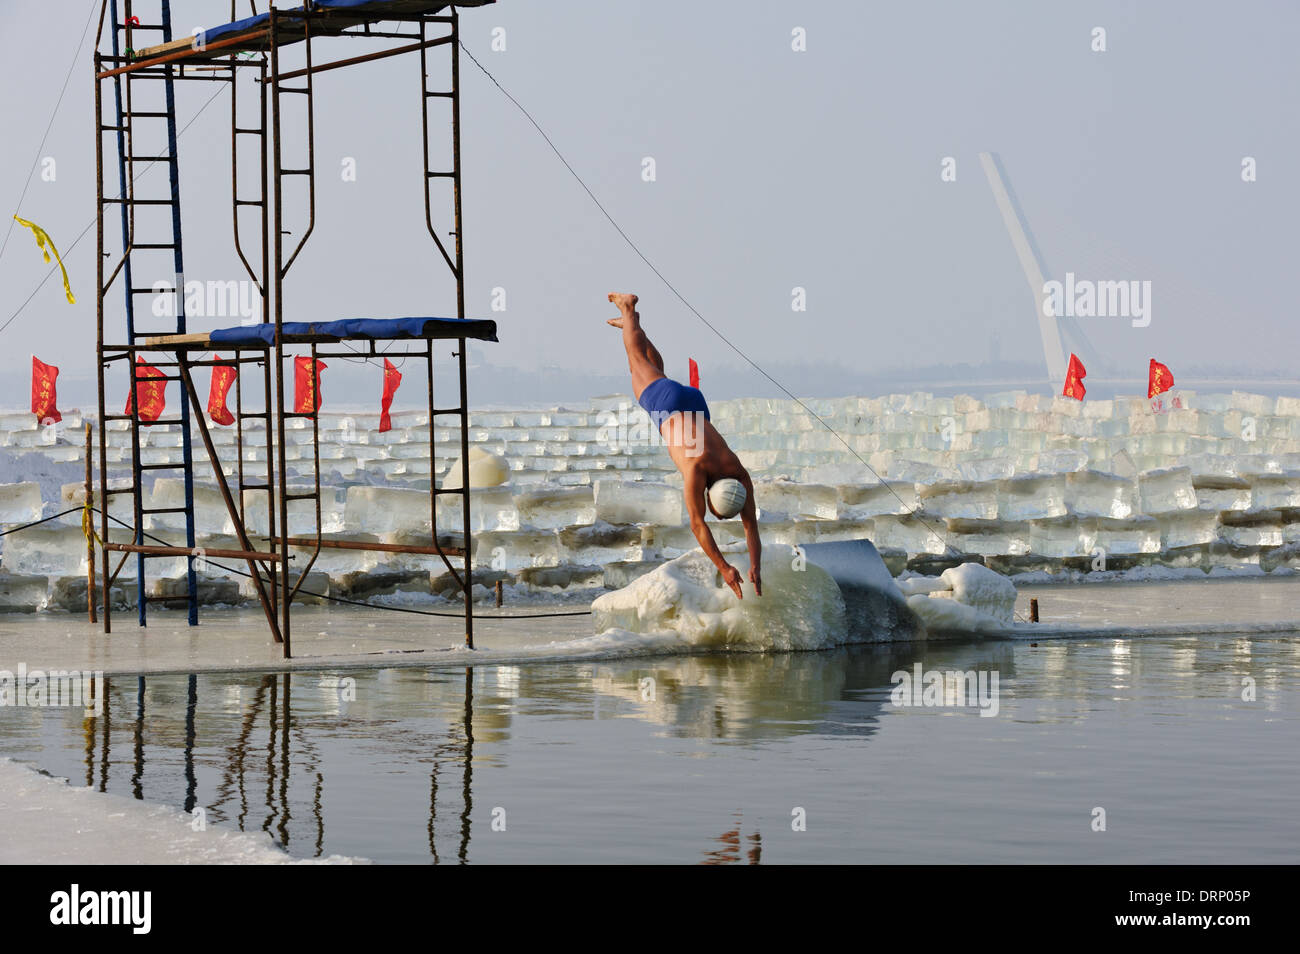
[{"x": 90, "y": 537}]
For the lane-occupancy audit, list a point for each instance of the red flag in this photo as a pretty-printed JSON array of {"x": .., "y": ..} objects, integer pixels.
[
  {"x": 695, "y": 373},
  {"x": 392, "y": 381},
  {"x": 44, "y": 397},
  {"x": 152, "y": 394},
  {"x": 1159, "y": 379},
  {"x": 1074, "y": 376},
  {"x": 306, "y": 385},
  {"x": 223, "y": 376}
]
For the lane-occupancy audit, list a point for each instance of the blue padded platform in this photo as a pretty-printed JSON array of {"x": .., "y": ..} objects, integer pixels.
[
  {"x": 378, "y": 329},
  {"x": 374, "y": 9},
  {"x": 339, "y": 15}
]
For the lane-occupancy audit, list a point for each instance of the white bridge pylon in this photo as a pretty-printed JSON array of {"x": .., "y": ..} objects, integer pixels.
[{"x": 1030, "y": 262}]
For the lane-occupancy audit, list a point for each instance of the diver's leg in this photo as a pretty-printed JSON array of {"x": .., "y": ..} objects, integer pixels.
[
  {"x": 655, "y": 357},
  {"x": 643, "y": 358}
]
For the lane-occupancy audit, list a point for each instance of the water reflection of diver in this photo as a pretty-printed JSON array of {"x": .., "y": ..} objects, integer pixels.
[{"x": 771, "y": 695}]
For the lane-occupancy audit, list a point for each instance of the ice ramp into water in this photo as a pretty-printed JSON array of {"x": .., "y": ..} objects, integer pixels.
[
  {"x": 875, "y": 609},
  {"x": 683, "y": 605}
]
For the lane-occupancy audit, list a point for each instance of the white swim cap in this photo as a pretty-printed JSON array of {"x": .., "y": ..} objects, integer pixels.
[{"x": 727, "y": 496}]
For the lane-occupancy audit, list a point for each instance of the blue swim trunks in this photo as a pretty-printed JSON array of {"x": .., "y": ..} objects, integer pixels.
[{"x": 664, "y": 396}]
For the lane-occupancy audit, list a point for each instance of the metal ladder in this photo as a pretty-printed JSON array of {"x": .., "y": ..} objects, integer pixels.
[
  {"x": 263, "y": 481},
  {"x": 455, "y": 261},
  {"x": 288, "y": 586},
  {"x": 128, "y": 111}
]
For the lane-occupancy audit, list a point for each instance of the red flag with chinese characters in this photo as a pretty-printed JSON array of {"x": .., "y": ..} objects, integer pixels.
[
  {"x": 1074, "y": 376},
  {"x": 392, "y": 381},
  {"x": 223, "y": 376},
  {"x": 695, "y": 373},
  {"x": 306, "y": 385},
  {"x": 151, "y": 393},
  {"x": 44, "y": 396},
  {"x": 1159, "y": 379}
]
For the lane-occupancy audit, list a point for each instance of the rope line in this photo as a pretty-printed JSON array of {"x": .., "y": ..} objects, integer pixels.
[
  {"x": 91, "y": 224},
  {"x": 50, "y": 125},
  {"x": 86, "y": 510},
  {"x": 680, "y": 297},
  {"x": 37, "y": 523},
  {"x": 326, "y": 596},
  {"x": 88, "y": 522},
  {"x": 912, "y": 512}
]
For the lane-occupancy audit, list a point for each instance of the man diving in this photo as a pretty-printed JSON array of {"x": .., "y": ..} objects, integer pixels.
[{"x": 712, "y": 474}]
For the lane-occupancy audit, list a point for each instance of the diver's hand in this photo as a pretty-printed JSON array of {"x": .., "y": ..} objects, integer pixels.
[
  {"x": 756, "y": 578},
  {"x": 731, "y": 576}
]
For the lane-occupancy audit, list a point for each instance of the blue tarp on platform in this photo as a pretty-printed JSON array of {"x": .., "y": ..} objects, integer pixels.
[
  {"x": 379, "y": 329},
  {"x": 350, "y": 13}
]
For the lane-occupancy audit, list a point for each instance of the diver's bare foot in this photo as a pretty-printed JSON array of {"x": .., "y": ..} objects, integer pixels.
[{"x": 625, "y": 303}]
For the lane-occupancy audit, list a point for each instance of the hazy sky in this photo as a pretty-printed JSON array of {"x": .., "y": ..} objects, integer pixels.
[{"x": 774, "y": 169}]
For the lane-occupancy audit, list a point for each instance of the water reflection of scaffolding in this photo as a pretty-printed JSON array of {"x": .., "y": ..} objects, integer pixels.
[
  {"x": 222, "y": 55},
  {"x": 286, "y": 753}
]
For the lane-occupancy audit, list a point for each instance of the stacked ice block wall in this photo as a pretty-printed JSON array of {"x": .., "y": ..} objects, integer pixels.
[{"x": 1024, "y": 482}]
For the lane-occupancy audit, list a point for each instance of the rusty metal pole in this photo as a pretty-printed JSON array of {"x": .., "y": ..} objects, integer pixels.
[
  {"x": 99, "y": 327},
  {"x": 267, "y": 285},
  {"x": 1033, "y": 610},
  {"x": 460, "y": 313},
  {"x": 89, "y": 521},
  {"x": 277, "y": 353}
]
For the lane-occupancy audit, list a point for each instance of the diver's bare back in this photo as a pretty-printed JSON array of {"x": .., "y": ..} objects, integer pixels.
[{"x": 706, "y": 451}]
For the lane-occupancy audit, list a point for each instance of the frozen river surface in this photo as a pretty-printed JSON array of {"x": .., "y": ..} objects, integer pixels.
[{"x": 1183, "y": 745}]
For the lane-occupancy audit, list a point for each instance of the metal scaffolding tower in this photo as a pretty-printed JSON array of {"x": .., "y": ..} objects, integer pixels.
[{"x": 223, "y": 54}]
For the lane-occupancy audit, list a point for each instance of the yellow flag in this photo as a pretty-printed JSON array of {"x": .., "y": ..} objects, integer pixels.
[{"x": 43, "y": 238}]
